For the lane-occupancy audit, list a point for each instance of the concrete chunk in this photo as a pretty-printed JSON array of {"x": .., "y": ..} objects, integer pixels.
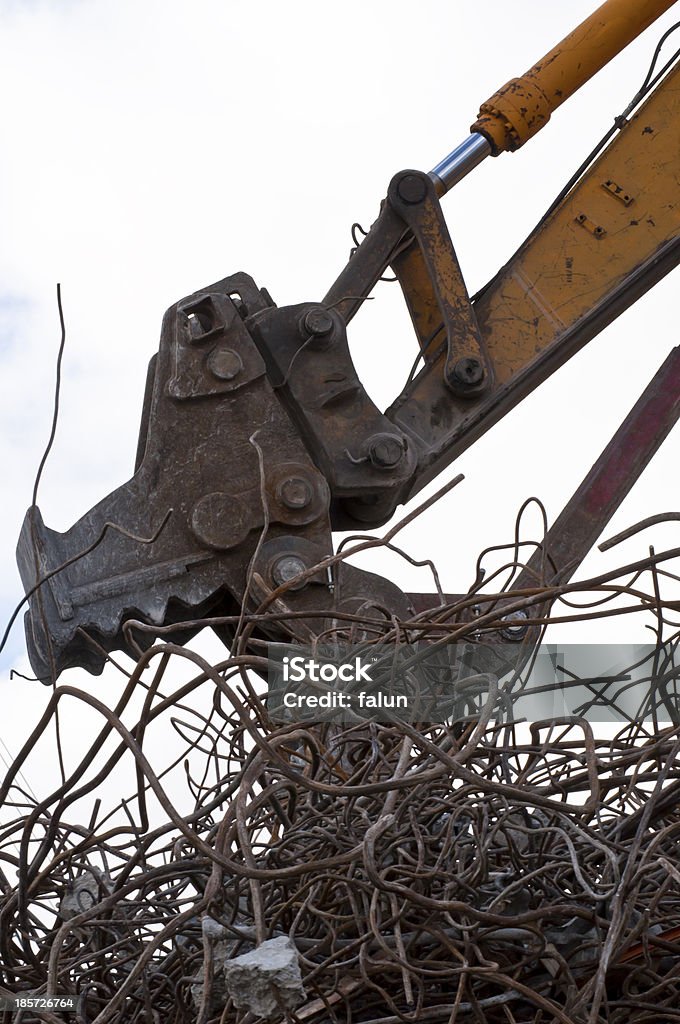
[{"x": 267, "y": 979}]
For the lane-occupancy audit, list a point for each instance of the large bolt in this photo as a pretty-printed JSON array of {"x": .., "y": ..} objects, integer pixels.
[
  {"x": 225, "y": 363},
  {"x": 468, "y": 371},
  {"x": 220, "y": 521},
  {"x": 317, "y": 322},
  {"x": 286, "y": 568},
  {"x": 295, "y": 492},
  {"x": 412, "y": 189},
  {"x": 385, "y": 450}
]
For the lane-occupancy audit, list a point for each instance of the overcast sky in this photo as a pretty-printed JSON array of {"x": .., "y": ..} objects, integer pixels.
[{"x": 150, "y": 148}]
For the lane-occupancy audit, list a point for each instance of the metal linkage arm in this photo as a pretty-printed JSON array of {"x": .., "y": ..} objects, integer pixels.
[{"x": 611, "y": 239}]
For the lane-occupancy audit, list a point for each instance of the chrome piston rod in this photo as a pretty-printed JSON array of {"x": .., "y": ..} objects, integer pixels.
[{"x": 459, "y": 162}]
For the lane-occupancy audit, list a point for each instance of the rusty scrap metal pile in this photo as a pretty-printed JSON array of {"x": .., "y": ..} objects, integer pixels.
[{"x": 467, "y": 871}]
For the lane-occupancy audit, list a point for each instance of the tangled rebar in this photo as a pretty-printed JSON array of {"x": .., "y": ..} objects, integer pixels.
[{"x": 476, "y": 869}]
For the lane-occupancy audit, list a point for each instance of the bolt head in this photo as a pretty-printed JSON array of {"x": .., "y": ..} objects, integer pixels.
[
  {"x": 412, "y": 189},
  {"x": 468, "y": 371},
  {"x": 295, "y": 492},
  {"x": 220, "y": 521},
  {"x": 385, "y": 450},
  {"x": 286, "y": 568},
  {"x": 225, "y": 363},
  {"x": 317, "y": 321}
]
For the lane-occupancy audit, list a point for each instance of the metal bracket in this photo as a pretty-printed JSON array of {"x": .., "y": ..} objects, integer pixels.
[
  {"x": 467, "y": 368},
  {"x": 366, "y": 460}
]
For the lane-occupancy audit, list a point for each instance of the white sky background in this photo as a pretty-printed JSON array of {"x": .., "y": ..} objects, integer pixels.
[{"x": 150, "y": 148}]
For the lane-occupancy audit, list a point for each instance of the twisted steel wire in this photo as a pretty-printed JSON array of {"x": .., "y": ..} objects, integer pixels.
[{"x": 469, "y": 870}]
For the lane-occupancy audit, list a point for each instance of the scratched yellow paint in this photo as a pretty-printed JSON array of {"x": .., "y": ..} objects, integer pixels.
[
  {"x": 624, "y": 209},
  {"x": 622, "y": 213},
  {"x": 524, "y": 105}
]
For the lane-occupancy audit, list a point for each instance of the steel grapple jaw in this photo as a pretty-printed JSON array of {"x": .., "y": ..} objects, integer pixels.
[{"x": 227, "y": 503}]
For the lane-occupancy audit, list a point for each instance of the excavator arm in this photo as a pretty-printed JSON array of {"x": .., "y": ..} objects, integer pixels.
[{"x": 258, "y": 438}]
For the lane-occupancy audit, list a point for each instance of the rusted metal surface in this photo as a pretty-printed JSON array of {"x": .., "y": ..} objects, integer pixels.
[
  {"x": 467, "y": 370},
  {"x": 225, "y": 492},
  {"x": 359, "y": 451}
]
